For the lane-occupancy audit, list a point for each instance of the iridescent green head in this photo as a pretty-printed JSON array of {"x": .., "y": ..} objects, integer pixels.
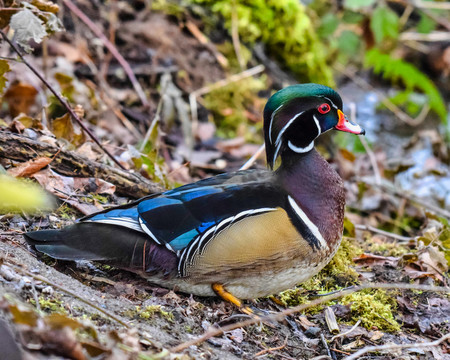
[{"x": 296, "y": 115}]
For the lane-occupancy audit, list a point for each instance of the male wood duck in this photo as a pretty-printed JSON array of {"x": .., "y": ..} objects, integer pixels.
[{"x": 240, "y": 235}]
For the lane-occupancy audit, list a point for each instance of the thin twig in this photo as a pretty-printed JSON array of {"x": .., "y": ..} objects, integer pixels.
[
  {"x": 382, "y": 232},
  {"x": 195, "y": 31},
  {"x": 156, "y": 118},
  {"x": 441, "y": 21},
  {"x": 254, "y": 157},
  {"x": 405, "y": 195},
  {"x": 282, "y": 314},
  {"x": 431, "y": 5},
  {"x": 235, "y": 35},
  {"x": 435, "y": 36},
  {"x": 347, "y": 332},
  {"x": 61, "y": 100},
  {"x": 217, "y": 85},
  {"x": 265, "y": 351},
  {"x": 325, "y": 344},
  {"x": 367, "y": 349},
  {"x": 405, "y": 16},
  {"x": 98, "y": 32}
]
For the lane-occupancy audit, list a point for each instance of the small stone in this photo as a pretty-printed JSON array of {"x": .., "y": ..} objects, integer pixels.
[
  {"x": 313, "y": 332},
  {"x": 8, "y": 274},
  {"x": 48, "y": 290}
]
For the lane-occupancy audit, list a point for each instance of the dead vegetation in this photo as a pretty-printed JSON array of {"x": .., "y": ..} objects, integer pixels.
[{"x": 180, "y": 109}]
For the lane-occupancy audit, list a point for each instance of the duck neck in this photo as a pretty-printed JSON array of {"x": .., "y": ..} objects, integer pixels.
[{"x": 318, "y": 191}]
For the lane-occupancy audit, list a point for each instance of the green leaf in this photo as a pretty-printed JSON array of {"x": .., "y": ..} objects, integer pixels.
[
  {"x": 398, "y": 70},
  {"x": 27, "y": 26},
  {"x": 328, "y": 26},
  {"x": 358, "y": 4},
  {"x": 351, "y": 17},
  {"x": 349, "y": 42},
  {"x": 4, "y": 68},
  {"x": 426, "y": 24},
  {"x": 384, "y": 24}
]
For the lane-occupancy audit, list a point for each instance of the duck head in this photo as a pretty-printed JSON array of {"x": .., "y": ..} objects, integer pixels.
[{"x": 296, "y": 115}]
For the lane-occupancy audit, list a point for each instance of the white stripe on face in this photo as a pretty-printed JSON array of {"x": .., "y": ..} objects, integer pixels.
[
  {"x": 271, "y": 122},
  {"x": 332, "y": 103},
  {"x": 286, "y": 127},
  {"x": 317, "y": 124}
]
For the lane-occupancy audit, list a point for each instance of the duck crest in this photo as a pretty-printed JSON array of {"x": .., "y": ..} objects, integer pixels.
[{"x": 293, "y": 118}]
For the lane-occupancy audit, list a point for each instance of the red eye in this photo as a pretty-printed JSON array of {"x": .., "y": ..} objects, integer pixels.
[{"x": 324, "y": 108}]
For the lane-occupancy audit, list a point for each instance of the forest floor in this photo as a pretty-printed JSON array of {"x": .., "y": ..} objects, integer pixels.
[{"x": 396, "y": 229}]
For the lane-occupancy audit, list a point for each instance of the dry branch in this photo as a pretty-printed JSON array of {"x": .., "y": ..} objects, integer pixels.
[
  {"x": 282, "y": 314},
  {"x": 113, "y": 50},
  {"x": 72, "y": 113},
  {"x": 367, "y": 349},
  {"x": 20, "y": 148}
]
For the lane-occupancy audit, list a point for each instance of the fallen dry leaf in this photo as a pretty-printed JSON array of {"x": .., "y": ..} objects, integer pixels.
[
  {"x": 29, "y": 122},
  {"x": 65, "y": 187},
  {"x": 16, "y": 126},
  {"x": 77, "y": 53},
  {"x": 93, "y": 185},
  {"x": 371, "y": 259},
  {"x": 30, "y": 167},
  {"x": 20, "y": 97},
  {"x": 63, "y": 127}
]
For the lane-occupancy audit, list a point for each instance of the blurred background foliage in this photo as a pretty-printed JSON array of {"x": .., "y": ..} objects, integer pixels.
[{"x": 308, "y": 39}]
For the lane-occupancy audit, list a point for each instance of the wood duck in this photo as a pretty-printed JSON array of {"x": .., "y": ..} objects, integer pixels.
[{"x": 240, "y": 235}]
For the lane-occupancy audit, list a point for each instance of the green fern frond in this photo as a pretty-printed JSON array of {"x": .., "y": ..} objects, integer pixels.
[{"x": 400, "y": 71}]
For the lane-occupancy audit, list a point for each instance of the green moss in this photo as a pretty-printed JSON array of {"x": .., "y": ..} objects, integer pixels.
[
  {"x": 66, "y": 212},
  {"x": 342, "y": 263},
  {"x": 336, "y": 275},
  {"x": 231, "y": 104},
  {"x": 374, "y": 308},
  {"x": 50, "y": 305},
  {"x": 148, "y": 312},
  {"x": 286, "y": 29},
  {"x": 388, "y": 249}
]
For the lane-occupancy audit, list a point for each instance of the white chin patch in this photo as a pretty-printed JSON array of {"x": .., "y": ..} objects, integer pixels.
[{"x": 300, "y": 150}]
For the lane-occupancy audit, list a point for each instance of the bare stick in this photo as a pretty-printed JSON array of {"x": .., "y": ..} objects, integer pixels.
[
  {"x": 156, "y": 118},
  {"x": 98, "y": 32},
  {"x": 265, "y": 351},
  {"x": 254, "y": 157},
  {"x": 367, "y": 349},
  {"x": 382, "y": 232},
  {"x": 17, "y": 147},
  {"x": 346, "y": 333},
  {"x": 282, "y": 314},
  {"x": 431, "y": 5},
  {"x": 235, "y": 35},
  {"x": 435, "y": 36},
  {"x": 403, "y": 194},
  {"x": 61, "y": 100},
  {"x": 195, "y": 31}
]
